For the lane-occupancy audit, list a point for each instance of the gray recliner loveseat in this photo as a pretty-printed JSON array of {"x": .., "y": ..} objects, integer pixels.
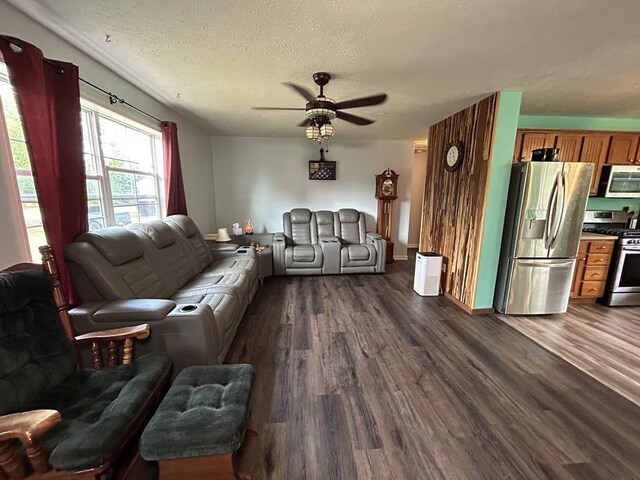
[
  {"x": 324, "y": 242},
  {"x": 163, "y": 273}
]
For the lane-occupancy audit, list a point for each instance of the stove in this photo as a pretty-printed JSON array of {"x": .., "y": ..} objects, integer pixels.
[
  {"x": 623, "y": 283},
  {"x": 617, "y": 232}
]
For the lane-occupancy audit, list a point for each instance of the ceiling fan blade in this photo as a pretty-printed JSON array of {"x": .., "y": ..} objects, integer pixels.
[
  {"x": 305, "y": 123},
  {"x": 347, "y": 117},
  {"x": 362, "y": 102},
  {"x": 308, "y": 96},
  {"x": 276, "y": 108}
]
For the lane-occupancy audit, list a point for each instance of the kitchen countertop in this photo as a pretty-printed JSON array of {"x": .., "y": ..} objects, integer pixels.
[{"x": 596, "y": 236}]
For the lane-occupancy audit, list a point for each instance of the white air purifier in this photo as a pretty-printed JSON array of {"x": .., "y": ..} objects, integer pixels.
[{"x": 426, "y": 281}]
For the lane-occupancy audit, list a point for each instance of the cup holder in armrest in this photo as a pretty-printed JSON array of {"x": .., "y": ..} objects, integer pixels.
[{"x": 188, "y": 308}]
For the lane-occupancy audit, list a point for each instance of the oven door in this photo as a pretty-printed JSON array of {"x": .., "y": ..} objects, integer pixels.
[{"x": 626, "y": 277}]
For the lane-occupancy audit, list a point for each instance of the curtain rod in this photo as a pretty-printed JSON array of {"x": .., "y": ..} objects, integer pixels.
[{"x": 113, "y": 98}]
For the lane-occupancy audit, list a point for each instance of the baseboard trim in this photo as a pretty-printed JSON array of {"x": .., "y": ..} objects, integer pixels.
[
  {"x": 466, "y": 308},
  {"x": 400, "y": 257}
]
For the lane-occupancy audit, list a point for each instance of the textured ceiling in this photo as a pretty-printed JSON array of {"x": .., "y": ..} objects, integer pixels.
[{"x": 432, "y": 57}]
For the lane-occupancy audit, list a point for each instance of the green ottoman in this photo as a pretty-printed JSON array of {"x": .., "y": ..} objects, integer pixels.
[{"x": 200, "y": 423}]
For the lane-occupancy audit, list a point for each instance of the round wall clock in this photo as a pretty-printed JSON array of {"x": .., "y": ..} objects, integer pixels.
[{"x": 453, "y": 155}]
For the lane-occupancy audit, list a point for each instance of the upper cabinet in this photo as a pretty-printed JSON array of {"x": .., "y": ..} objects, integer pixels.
[
  {"x": 623, "y": 149},
  {"x": 530, "y": 141},
  {"x": 594, "y": 150},
  {"x": 598, "y": 148},
  {"x": 570, "y": 147}
]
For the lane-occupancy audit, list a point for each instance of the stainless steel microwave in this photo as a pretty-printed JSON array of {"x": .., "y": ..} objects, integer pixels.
[{"x": 619, "y": 181}]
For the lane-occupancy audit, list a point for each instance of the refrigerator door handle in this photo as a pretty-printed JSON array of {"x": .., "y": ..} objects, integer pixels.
[
  {"x": 562, "y": 193},
  {"x": 551, "y": 208}
]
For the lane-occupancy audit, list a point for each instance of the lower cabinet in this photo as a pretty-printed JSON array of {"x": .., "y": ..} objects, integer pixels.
[{"x": 592, "y": 267}]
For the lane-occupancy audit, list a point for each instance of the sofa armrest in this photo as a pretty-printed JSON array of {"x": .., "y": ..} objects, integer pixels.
[
  {"x": 331, "y": 246},
  {"x": 380, "y": 244},
  {"x": 279, "y": 246},
  {"x": 135, "y": 310}
]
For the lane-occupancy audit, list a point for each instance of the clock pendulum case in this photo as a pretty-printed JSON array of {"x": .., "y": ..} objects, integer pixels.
[{"x": 386, "y": 193}]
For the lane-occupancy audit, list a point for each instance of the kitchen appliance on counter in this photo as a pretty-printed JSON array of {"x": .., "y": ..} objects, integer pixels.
[
  {"x": 545, "y": 211},
  {"x": 623, "y": 283},
  {"x": 619, "y": 181}
]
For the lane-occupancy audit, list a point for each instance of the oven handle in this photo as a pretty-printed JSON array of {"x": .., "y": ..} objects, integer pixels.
[{"x": 631, "y": 249}]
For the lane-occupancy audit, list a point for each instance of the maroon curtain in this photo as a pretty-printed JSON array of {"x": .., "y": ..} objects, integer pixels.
[
  {"x": 173, "y": 184},
  {"x": 48, "y": 94}
]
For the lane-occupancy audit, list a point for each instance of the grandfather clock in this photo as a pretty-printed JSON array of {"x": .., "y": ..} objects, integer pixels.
[{"x": 386, "y": 193}]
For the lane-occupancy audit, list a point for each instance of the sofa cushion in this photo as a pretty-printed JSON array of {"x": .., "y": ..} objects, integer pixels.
[
  {"x": 214, "y": 395},
  {"x": 324, "y": 219},
  {"x": 350, "y": 226},
  {"x": 304, "y": 253},
  {"x": 35, "y": 353},
  {"x": 300, "y": 215},
  {"x": 185, "y": 224},
  {"x": 349, "y": 215},
  {"x": 117, "y": 244},
  {"x": 98, "y": 408},
  {"x": 159, "y": 232},
  {"x": 303, "y": 256},
  {"x": 358, "y": 256}
]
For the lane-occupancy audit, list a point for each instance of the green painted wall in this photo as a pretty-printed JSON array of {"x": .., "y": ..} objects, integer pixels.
[
  {"x": 579, "y": 123},
  {"x": 496, "y": 202},
  {"x": 589, "y": 123}
]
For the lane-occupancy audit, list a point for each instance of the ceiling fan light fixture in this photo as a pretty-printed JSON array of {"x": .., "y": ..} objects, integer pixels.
[
  {"x": 317, "y": 112},
  {"x": 313, "y": 132},
  {"x": 327, "y": 131}
]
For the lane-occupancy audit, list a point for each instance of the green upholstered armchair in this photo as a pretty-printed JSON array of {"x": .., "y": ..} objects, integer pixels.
[{"x": 59, "y": 420}]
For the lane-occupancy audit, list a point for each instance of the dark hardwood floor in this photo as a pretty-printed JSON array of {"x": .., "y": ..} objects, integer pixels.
[
  {"x": 601, "y": 341},
  {"x": 359, "y": 377}
]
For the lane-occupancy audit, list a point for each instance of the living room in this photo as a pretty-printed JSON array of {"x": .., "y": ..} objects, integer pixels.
[{"x": 238, "y": 295}]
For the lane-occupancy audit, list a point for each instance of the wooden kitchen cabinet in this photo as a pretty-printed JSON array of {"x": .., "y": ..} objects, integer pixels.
[
  {"x": 570, "y": 147},
  {"x": 594, "y": 150},
  {"x": 592, "y": 268},
  {"x": 623, "y": 149},
  {"x": 526, "y": 142}
]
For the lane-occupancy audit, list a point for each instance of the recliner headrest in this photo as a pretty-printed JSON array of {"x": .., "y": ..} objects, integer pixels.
[
  {"x": 185, "y": 224},
  {"x": 159, "y": 232},
  {"x": 300, "y": 215},
  {"x": 349, "y": 215},
  {"x": 117, "y": 244},
  {"x": 324, "y": 217}
]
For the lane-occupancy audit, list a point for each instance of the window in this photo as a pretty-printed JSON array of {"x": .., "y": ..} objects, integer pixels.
[
  {"x": 121, "y": 158},
  {"x": 21, "y": 164}
]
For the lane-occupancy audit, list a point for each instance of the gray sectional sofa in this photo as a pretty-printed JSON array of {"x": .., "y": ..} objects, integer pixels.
[
  {"x": 163, "y": 273},
  {"x": 324, "y": 242}
]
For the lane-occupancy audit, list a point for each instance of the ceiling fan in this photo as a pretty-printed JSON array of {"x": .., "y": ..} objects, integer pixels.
[{"x": 320, "y": 110}]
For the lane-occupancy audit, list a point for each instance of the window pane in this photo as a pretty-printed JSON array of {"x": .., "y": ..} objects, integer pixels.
[
  {"x": 37, "y": 238},
  {"x": 126, "y": 215},
  {"x": 20, "y": 155},
  {"x": 125, "y": 147},
  {"x": 86, "y": 136},
  {"x": 27, "y": 188},
  {"x": 123, "y": 186},
  {"x": 95, "y": 207},
  {"x": 31, "y": 213},
  {"x": 89, "y": 164}
]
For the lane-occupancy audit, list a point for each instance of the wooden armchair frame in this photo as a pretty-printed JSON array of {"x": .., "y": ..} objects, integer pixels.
[{"x": 28, "y": 427}]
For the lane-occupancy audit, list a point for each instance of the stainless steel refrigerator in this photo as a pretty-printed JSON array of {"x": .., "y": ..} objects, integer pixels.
[{"x": 545, "y": 211}]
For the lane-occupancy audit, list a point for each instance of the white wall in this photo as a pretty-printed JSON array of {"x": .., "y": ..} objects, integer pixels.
[
  {"x": 260, "y": 178},
  {"x": 195, "y": 142},
  {"x": 418, "y": 178}
]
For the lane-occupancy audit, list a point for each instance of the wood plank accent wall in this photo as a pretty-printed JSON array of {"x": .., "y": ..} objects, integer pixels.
[{"x": 453, "y": 205}]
